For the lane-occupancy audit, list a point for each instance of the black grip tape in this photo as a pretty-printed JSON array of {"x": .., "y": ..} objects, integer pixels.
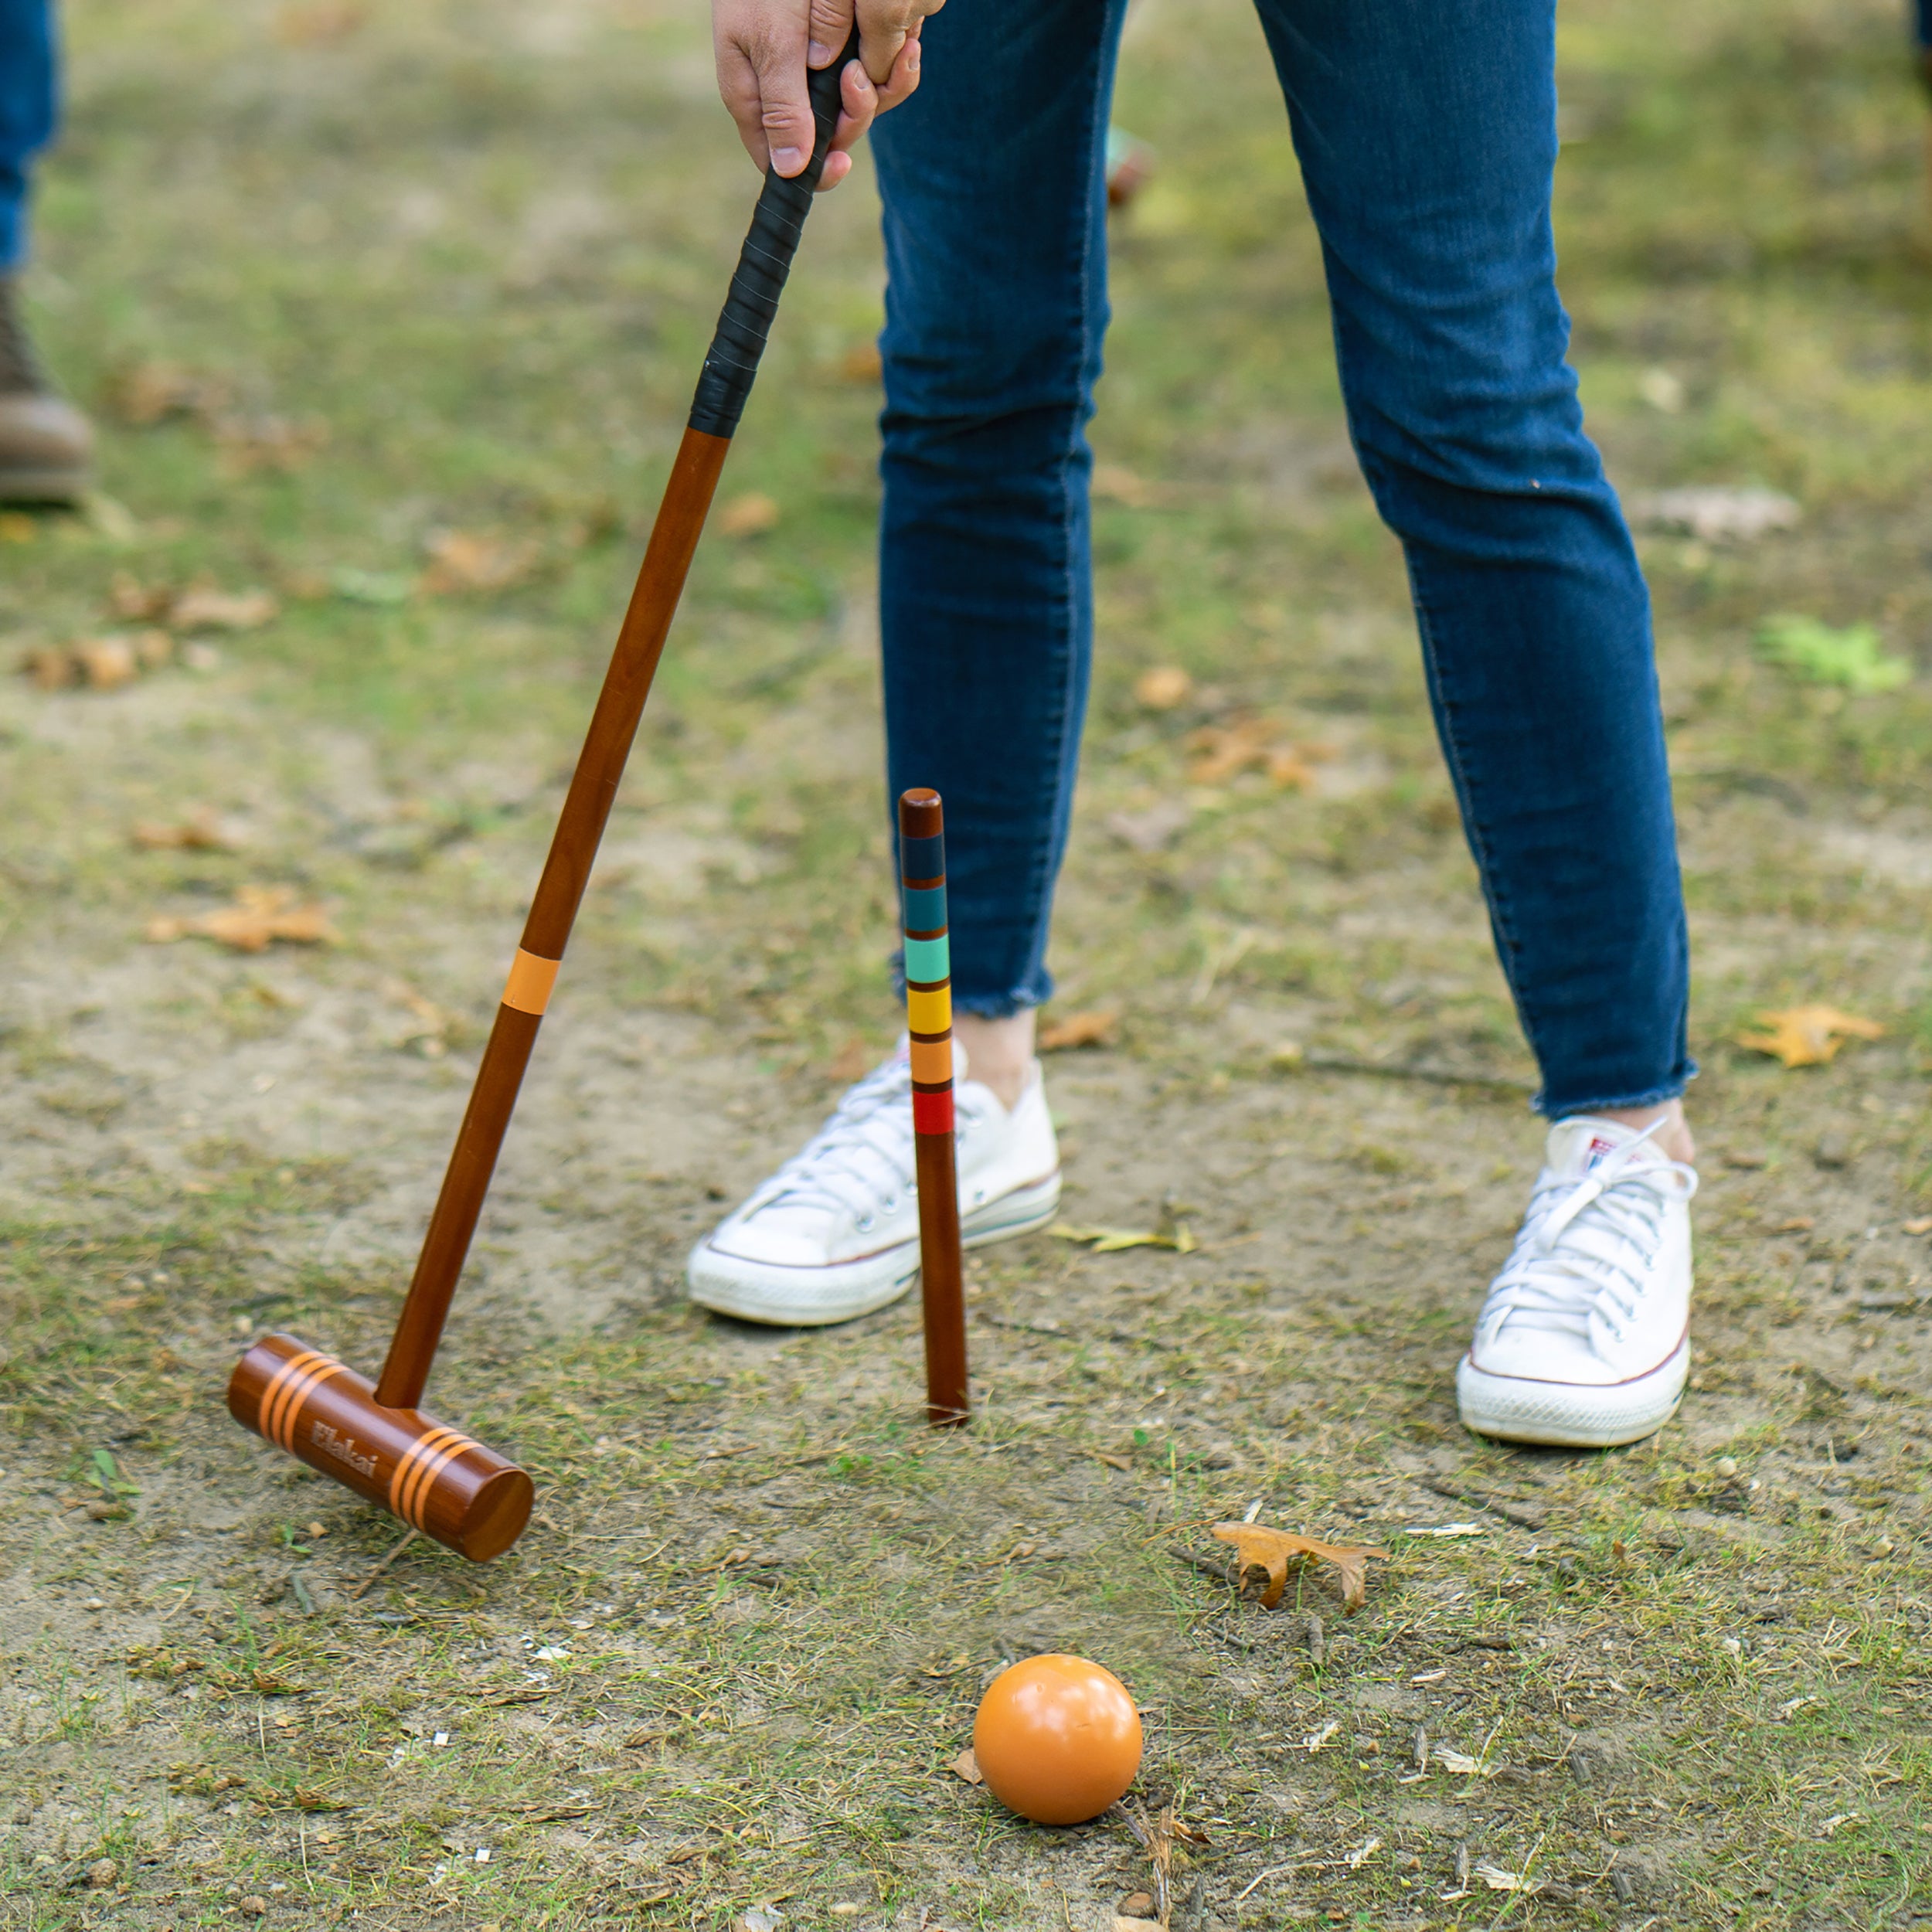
[{"x": 778, "y": 221}]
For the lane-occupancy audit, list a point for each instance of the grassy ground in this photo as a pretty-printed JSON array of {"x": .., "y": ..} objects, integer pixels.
[{"x": 341, "y": 283}]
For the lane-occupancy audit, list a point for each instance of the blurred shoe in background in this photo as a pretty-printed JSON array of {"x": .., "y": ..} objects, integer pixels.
[
  {"x": 46, "y": 445},
  {"x": 1130, "y": 163}
]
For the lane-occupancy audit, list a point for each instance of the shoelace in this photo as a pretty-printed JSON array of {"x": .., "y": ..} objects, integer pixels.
[
  {"x": 861, "y": 1160},
  {"x": 1557, "y": 1284}
]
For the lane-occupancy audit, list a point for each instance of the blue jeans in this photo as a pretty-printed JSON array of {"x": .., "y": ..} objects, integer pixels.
[
  {"x": 1427, "y": 133},
  {"x": 27, "y": 113}
]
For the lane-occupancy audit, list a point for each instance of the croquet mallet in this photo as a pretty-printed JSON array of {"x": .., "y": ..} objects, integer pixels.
[
  {"x": 929, "y": 1022},
  {"x": 375, "y": 1439}
]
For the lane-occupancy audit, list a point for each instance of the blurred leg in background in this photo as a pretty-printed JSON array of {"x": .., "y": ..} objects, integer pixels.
[
  {"x": 1922, "y": 39},
  {"x": 46, "y": 445}
]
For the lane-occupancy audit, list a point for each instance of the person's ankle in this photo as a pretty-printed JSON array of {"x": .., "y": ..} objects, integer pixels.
[
  {"x": 999, "y": 1053},
  {"x": 1672, "y": 1139}
]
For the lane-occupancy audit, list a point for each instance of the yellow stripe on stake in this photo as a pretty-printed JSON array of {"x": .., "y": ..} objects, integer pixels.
[{"x": 929, "y": 1012}]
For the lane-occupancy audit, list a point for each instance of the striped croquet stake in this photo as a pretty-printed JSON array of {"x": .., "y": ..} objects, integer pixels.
[{"x": 929, "y": 1017}]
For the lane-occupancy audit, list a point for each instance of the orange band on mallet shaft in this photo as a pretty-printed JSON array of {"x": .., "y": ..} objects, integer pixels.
[{"x": 531, "y": 977}]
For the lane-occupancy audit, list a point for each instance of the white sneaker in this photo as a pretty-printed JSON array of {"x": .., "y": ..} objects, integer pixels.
[
  {"x": 834, "y": 1233},
  {"x": 1584, "y": 1339}
]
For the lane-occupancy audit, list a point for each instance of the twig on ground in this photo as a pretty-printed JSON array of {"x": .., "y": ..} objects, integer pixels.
[
  {"x": 1525, "y": 1515},
  {"x": 1407, "y": 1070},
  {"x": 403, "y": 1543},
  {"x": 1222, "y": 1573}
]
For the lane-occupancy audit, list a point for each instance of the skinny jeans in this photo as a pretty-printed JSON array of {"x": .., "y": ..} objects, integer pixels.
[{"x": 1426, "y": 131}]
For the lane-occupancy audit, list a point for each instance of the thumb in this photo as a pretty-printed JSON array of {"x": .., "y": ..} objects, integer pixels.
[{"x": 784, "y": 108}]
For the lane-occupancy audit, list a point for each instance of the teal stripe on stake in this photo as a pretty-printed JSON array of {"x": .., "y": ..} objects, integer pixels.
[
  {"x": 925, "y": 908},
  {"x": 928, "y": 961}
]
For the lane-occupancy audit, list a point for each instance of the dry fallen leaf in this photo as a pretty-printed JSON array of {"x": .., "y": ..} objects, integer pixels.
[
  {"x": 202, "y": 608},
  {"x": 317, "y": 23},
  {"x": 430, "y": 1034},
  {"x": 1112, "y": 1240},
  {"x": 1116, "y": 483},
  {"x": 199, "y": 831},
  {"x": 107, "y": 662},
  {"x": 138, "y": 602},
  {"x": 1808, "y": 1036},
  {"x": 1163, "y": 688},
  {"x": 1711, "y": 514},
  {"x": 1461, "y": 1763},
  {"x": 1094, "y": 1028},
  {"x": 50, "y": 667},
  {"x": 103, "y": 663},
  {"x": 1112, "y": 1461},
  {"x": 1222, "y": 752},
  {"x": 751, "y": 515},
  {"x": 862, "y": 364},
  {"x": 967, "y": 1767},
  {"x": 1922, "y": 1226},
  {"x": 1268, "y": 1551},
  {"x": 469, "y": 560},
  {"x": 146, "y": 393},
  {"x": 260, "y": 914},
  {"x": 251, "y": 443},
  {"x": 1159, "y": 825},
  {"x": 1498, "y": 1880}
]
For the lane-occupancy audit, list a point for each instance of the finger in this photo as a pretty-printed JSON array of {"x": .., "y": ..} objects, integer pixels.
[
  {"x": 784, "y": 110},
  {"x": 859, "y": 101},
  {"x": 738, "y": 86},
  {"x": 882, "y": 31},
  {"x": 904, "y": 79},
  {"x": 837, "y": 168},
  {"x": 830, "y": 28}
]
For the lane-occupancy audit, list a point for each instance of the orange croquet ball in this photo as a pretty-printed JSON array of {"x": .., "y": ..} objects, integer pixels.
[{"x": 1057, "y": 1739}]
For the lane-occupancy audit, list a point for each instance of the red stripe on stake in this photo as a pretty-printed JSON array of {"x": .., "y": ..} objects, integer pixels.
[{"x": 932, "y": 1113}]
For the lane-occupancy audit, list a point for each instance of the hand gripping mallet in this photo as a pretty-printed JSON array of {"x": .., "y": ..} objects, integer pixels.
[
  {"x": 928, "y": 1020},
  {"x": 375, "y": 1439}
]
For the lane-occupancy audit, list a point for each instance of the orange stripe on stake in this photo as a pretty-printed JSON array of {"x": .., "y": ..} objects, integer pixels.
[
  {"x": 531, "y": 977},
  {"x": 932, "y": 1061}
]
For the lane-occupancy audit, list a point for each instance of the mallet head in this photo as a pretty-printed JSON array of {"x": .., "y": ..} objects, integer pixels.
[{"x": 435, "y": 1478}]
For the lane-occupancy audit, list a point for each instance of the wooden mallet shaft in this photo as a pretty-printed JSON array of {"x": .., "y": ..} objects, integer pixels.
[
  {"x": 929, "y": 1019},
  {"x": 376, "y": 1441}
]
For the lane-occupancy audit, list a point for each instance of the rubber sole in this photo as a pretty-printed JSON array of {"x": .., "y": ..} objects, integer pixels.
[
  {"x": 784, "y": 1298},
  {"x": 1571, "y": 1415},
  {"x": 43, "y": 486}
]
